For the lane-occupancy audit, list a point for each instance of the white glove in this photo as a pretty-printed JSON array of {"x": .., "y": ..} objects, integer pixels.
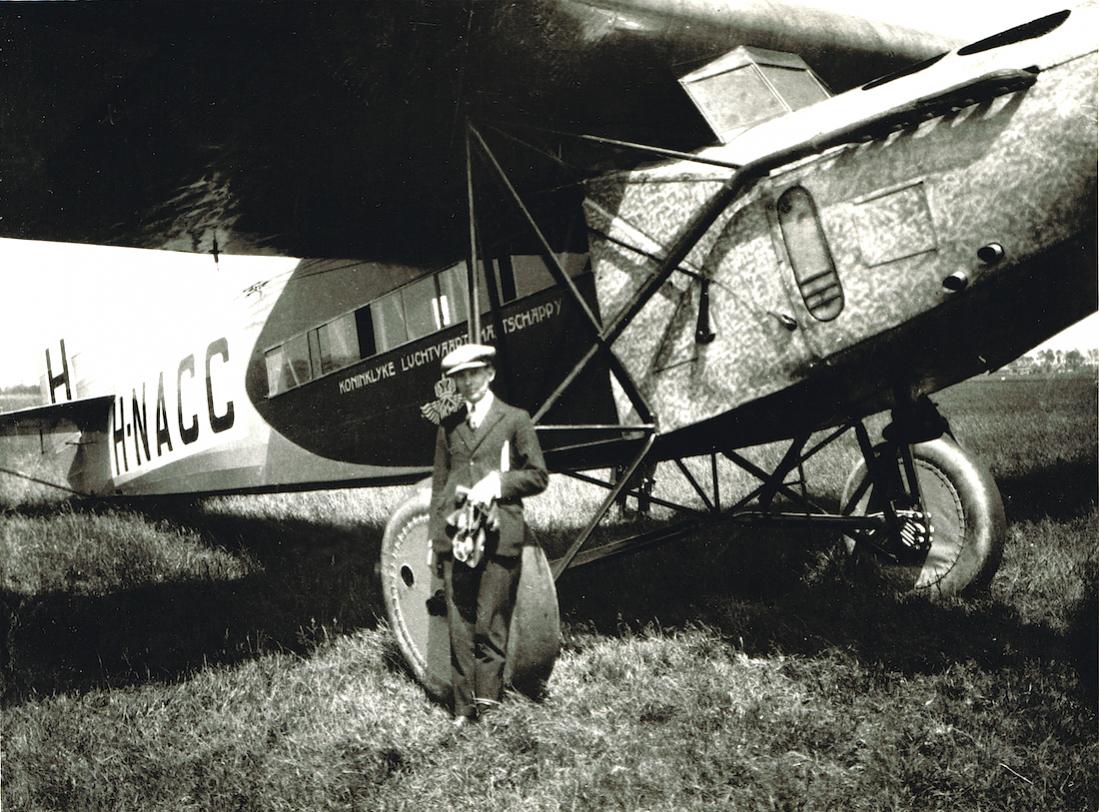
[{"x": 486, "y": 490}]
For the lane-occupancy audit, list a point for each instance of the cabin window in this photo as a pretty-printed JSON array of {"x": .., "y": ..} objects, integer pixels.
[
  {"x": 288, "y": 365},
  {"x": 276, "y": 382},
  {"x": 296, "y": 361},
  {"x": 389, "y": 322},
  {"x": 518, "y": 276},
  {"x": 505, "y": 278},
  {"x": 419, "y": 309},
  {"x": 530, "y": 275},
  {"x": 451, "y": 295},
  {"x": 337, "y": 344},
  {"x": 522, "y": 275},
  {"x": 810, "y": 257}
]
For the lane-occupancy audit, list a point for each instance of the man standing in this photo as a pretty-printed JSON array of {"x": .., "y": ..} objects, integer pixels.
[{"x": 487, "y": 458}]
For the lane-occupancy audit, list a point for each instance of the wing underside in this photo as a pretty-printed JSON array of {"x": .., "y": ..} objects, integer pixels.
[{"x": 336, "y": 129}]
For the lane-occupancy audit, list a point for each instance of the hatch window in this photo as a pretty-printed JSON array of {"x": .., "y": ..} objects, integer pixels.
[
  {"x": 750, "y": 85},
  {"x": 796, "y": 87},
  {"x": 736, "y": 98},
  {"x": 810, "y": 257}
]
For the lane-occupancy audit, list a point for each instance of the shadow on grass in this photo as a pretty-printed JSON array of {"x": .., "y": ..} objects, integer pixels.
[
  {"x": 767, "y": 593},
  {"x": 1062, "y": 490},
  {"x": 764, "y": 592},
  {"x": 306, "y": 581}
]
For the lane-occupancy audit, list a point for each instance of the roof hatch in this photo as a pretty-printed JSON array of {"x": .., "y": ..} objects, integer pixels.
[{"x": 750, "y": 85}]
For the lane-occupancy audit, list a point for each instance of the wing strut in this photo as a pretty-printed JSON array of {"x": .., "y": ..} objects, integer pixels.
[{"x": 474, "y": 304}]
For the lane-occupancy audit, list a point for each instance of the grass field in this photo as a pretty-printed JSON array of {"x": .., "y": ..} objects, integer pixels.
[{"x": 230, "y": 653}]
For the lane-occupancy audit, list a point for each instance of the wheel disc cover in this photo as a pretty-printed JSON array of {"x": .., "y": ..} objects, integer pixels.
[
  {"x": 416, "y": 607},
  {"x": 948, "y": 525}
]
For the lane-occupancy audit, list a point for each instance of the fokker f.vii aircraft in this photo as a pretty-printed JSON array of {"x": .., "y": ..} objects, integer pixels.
[{"x": 680, "y": 240}]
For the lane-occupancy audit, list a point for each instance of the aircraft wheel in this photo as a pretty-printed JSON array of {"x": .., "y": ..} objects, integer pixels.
[
  {"x": 965, "y": 513},
  {"x": 415, "y": 604}
]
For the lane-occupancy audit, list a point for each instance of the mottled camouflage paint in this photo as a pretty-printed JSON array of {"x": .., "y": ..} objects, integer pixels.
[{"x": 899, "y": 213}]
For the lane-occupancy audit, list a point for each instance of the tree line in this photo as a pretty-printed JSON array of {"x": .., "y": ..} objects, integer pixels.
[{"x": 1055, "y": 362}]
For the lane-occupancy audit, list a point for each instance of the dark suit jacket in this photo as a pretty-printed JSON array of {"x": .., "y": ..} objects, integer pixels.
[{"x": 464, "y": 457}]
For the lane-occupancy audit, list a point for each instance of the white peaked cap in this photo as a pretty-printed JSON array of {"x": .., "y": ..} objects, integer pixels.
[{"x": 468, "y": 356}]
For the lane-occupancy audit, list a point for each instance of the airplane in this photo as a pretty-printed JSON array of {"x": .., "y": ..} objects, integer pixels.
[{"x": 687, "y": 257}]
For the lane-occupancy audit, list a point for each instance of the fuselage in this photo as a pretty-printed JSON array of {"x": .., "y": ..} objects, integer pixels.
[{"x": 946, "y": 225}]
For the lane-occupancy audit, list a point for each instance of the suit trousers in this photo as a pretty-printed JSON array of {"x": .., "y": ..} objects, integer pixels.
[{"x": 479, "y": 603}]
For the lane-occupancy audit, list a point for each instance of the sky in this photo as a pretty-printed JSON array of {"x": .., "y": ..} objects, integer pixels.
[
  {"x": 85, "y": 292},
  {"x": 110, "y": 300}
]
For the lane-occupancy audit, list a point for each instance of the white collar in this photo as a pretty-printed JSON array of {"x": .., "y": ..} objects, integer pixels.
[{"x": 477, "y": 411}]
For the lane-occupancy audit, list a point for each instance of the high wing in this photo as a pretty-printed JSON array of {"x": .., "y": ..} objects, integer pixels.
[{"x": 336, "y": 129}]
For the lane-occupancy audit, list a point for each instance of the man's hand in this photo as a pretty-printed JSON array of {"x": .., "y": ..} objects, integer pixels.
[{"x": 486, "y": 490}]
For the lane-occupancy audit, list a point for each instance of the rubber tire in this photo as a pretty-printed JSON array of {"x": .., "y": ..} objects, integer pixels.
[
  {"x": 416, "y": 609},
  {"x": 966, "y": 514}
]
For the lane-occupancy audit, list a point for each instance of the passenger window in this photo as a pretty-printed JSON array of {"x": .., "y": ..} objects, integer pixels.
[
  {"x": 277, "y": 381},
  {"x": 421, "y": 308},
  {"x": 389, "y": 322},
  {"x": 337, "y": 344},
  {"x": 531, "y": 275},
  {"x": 452, "y": 295},
  {"x": 296, "y": 360},
  {"x": 424, "y": 307},
  {"x": 288, "y": 365}
]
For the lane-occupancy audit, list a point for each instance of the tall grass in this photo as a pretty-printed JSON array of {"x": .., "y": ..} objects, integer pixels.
[{"x": 230, "y": 653}]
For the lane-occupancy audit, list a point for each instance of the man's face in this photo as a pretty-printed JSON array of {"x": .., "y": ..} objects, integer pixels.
[{"x": 473, "y": 383}]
